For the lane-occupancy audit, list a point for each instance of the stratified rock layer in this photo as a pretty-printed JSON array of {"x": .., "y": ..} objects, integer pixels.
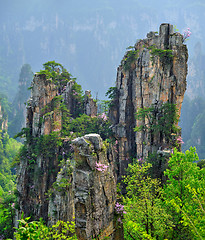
[{"x": 150, "y": 79}]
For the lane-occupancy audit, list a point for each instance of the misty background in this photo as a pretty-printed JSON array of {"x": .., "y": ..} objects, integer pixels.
[{"x": 89, "y": 38}]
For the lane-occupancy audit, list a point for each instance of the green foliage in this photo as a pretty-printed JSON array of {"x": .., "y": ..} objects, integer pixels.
[
  {"x": 184, "y": 195},
  {"x": 8, "y": 203},
  {"x": 6, "y": 107},
  {"x": 78, "y": 100},
  {"x": 62, "y": 184},
  {"x": 45, "y": 145},
  {"x": 130, "y": 58},
  {"x": 174, "y": 211},
  {"x": 165, "y": 56},
  {"x": 85, "y": 124},
  {"x": 146, "y": 216},
  {"x": 159, "y": 164},
  {"x": 201, "y": 163},
  {"x": 37, "y": 230},
  {"x": 159, "y": 120},
  {"x": 56, "y": 73},
  {"x": 105, "y": 105},
  {"x": 8, "y": 150},
  {"x": 111, "y": 93}
]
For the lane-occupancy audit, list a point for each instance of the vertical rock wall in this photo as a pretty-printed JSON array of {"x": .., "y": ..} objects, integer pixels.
[
  {"x": 95, "y": 189},
  {"x": 149, "y": 79},
  {"x": 35, "y": 179}
]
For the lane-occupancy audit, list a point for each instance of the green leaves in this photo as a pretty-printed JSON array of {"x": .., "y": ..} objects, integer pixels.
[
  {"x": 158, "y": 120},
  {"x": 173, "y": 211},
  {"x": 184, "y": 194},
  {"x": 130, "y": 58},
  {"x": 165, "y": 56},
  {"x": 37, "y": 230},
  {"x": 145, "y": 216},
  {"x": 56, "y": 72}
]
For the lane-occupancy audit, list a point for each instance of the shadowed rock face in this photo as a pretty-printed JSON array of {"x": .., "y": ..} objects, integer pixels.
[{"x": 148, "y": 80}]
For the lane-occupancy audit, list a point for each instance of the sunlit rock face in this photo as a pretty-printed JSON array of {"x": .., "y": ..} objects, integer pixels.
[{"x": 149, "y": 79}]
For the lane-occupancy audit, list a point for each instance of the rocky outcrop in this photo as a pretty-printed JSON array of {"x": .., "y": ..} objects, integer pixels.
[
  {"x": 154, "y": 72},
  {"x": 95, "y": 189},
  {"x": 90, "y": 106},
  {"x": 39, "y": 170},
  {"x": 46, "y": 187},
  {"x": 36, "y": 174}
]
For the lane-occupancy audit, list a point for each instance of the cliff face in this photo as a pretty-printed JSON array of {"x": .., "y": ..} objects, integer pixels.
[
  {"x": 51, "y": 182},
  {"x": 153, "y": 73},
  {"x": 37, "y": 176}
]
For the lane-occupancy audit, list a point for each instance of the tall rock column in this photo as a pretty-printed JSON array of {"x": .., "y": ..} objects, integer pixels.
[
  {"x": 39, "y": 165},
  {"x": 45, "y": 171},
  {"x": 154, "y": 72},
  {"x": 95, "y": 189}
]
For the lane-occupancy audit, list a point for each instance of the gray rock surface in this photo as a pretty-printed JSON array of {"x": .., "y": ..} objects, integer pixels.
[
  {"x": 95, "y": 190},
  {"x": 149, "y": 79}
]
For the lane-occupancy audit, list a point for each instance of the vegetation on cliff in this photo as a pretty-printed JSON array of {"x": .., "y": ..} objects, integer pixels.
[{"x": 162, "y": 192}]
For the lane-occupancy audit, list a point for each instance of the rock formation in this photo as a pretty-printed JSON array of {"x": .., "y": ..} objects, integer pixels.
[
  {"x": 90, "y": 107},
  {"x": 73, "y": 188},
  {"x": 154, "y": 72},
  {"x": 95, "y": 189},
  {"x": 84, "y": 184}
]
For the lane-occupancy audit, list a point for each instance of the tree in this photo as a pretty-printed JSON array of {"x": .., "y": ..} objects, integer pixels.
[
  {"x": 184, "y": 195},
  {"x": 145, "y": 216},
  {"x": 160, "y": 121},
  {"x": 37, "y": 230}
]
